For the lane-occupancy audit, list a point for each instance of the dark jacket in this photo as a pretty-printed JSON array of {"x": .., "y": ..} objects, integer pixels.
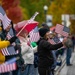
[
  {"x": 44, "y": 53},
  {"x": 20, "y": 61},
  {"x": 69, "y": 43}
]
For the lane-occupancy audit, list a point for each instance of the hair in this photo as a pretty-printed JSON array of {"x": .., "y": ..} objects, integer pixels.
[{"x": 45, "y": 26}]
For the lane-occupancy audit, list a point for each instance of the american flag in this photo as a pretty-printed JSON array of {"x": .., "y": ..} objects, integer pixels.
[
  {"x": 54, "y": 40},
  {"x": 10, "y": 34},
  {"x": 63, "y": 30},
  {"x": 5, "y": 20},
  {"x": 1, "y": 16},
  {"x": 9, "y": 51},
  {"x": 8, "y": 66},
  {"x": 34, "y": 35},
  {"x": 2, "y": 12}
]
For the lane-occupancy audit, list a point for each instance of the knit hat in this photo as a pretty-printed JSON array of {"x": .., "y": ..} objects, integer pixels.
[{"x": 43, "y": 31}]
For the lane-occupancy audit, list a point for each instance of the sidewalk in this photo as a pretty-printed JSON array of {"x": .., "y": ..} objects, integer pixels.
[{"x": 69, "y": 70}]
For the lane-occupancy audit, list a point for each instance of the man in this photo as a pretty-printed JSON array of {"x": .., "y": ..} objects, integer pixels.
[
  {"x": 45, "y": 57},
  {"x": 69, "y": 47}
]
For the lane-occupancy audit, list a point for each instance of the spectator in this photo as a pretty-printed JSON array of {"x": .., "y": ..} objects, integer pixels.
[
  {"x": 45, "y": 52},
  {"x": 69, "y": 47},
  {"x": 28, "y": 54}
]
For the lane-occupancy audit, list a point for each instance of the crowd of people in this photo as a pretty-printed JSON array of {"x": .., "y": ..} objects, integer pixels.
[{"x": 35, "y": 58}]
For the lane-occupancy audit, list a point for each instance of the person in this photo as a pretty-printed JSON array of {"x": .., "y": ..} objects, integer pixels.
[
  {"x": 9, "y": 30},
  {"x": 27, "y": 53},
  {"x": 44, "y": 25},
  {"x": 69, "y": 48},
  {"x": 45, "y": 57},
  {"x": 73, "y": 40},
  {"x": 5, "y": 43},
  {"x": 34, "y": 44}
]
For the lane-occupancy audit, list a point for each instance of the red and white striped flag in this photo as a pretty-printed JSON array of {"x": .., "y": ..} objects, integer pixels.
[
  {"x": 63, "y": 30},
  {"x": 8, "y": 36},
  {"x": 9, "y": 51},
  {"x": 1, "y": 16},
  {"x": 5, "y": 20},
  {"x": 54, "y": 40},
  {"x": 34, "y": 35},
  {"x": 8, "y": 66},
  {"x": 2, "y": 12}
]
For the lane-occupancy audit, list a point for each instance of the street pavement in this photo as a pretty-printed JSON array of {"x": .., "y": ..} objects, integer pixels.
[{"x": 68, "y": 70}]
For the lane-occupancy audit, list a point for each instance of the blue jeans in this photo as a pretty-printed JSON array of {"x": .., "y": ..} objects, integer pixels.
[
  {"x": 29, "y": 70},
  {"x": 7, "y": 73},
  {"x": 16, "y": 72},
  {"x": 55, "y": 63},
  {"x": 68, "y": 55}
]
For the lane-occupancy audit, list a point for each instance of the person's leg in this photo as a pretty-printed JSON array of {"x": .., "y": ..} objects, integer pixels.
[
  {"x": 7, "y": 73},
  {"x": 44, "y": 71},
  {"x": 33, "y": 70},
  {"x": 26, "y": 71},
  {"x": 15, "y": 72},
  {"x": 68, "y": 55}
]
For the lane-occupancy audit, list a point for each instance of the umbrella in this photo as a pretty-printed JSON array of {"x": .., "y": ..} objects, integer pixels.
[{"x": 28, "y": 27}]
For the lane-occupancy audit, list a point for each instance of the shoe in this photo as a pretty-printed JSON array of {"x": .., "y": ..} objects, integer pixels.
[{"x": 69, "y": 64}]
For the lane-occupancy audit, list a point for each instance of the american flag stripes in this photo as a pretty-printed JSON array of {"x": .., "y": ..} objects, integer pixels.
[
  {"x": 8, "y": 66},
  {"x": 54, "y": 40},
  {"x": 2, "y": 11},
  {"x": 1, "y": 16},
  {"x": 34, "y": 35},
  {"x": 9, "y": 51},
  {"x": 5, "y": 20},
  {"x": 8, "y": 36},
  {"x": 63, "y": 30}
]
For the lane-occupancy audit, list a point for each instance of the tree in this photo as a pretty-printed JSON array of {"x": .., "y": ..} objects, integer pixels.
[
  {"x": 56, "y": 10},
  {"x": 15, "y": 15},
  {"x": 69, "y": 6},
  {"x": 59, "y": 7},
  {"x": 30, "y": 7},
  {"x": 13, "y": 9}
]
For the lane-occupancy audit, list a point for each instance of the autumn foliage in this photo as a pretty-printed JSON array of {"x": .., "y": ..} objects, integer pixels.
[{"x": 12, "y": 9}]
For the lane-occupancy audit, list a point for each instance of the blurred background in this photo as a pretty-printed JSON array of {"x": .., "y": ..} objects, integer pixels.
[{"x": 51, "y": 12}]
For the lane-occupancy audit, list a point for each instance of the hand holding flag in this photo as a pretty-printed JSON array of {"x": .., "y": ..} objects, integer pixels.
[{"x": 63, "y": 30}]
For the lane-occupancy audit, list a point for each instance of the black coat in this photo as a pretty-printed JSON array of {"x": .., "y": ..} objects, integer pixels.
[{"x": 44, "y": 53}]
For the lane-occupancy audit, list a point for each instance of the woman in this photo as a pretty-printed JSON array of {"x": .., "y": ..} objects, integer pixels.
[
  {"x": 27, "y": 53},
  {"x": 45, "y": 56},
  {"x": 8, "y": 33}
]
